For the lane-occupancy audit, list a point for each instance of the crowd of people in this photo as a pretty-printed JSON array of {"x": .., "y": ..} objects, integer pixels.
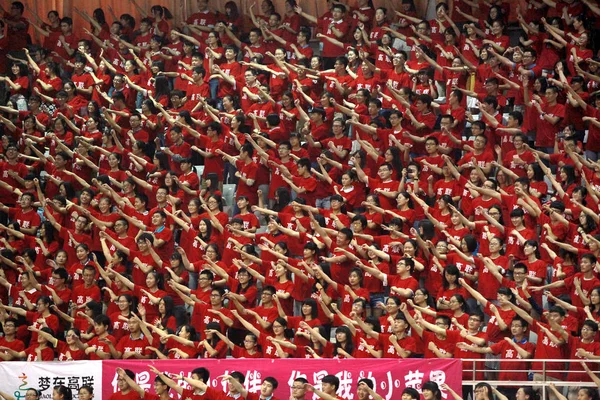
[
  {"x": 167, "y": 384},
  {"x": 411, "y": 188}
]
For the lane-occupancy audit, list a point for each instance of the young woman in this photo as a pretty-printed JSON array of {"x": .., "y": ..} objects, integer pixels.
[
  {"x": 271, "y": 346},
  {"x": 214, "y": 209},
  {"x": 212, "y": 346},
  {"x": 166, "y": 314},
  {"x": 318, "y": 347},
  {"x": 373, "y": 215},
  {"x": 284, "y": 287},
  {"x": 308, "y": 315},
  {"x": 69, "y": 349},
  {"x": 392, "y": 308},
  {"x": 82, "y": 251},
  {"x": 344, "y": 343},
  {"x": 86, "y": 392},
  {"x": 182, "y": 345},
  {"x": 18, "y": 85},
  {"x": 450, "y": 287},
  {"x": 149, "y": 296},
  {"x": 125, "y": 303}
]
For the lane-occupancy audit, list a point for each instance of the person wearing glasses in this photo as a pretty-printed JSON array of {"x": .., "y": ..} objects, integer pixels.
[
  {"x": 31, "y": 394},
  {"x": 298, "y": 389},
  {"x": 9, "y": 340}
]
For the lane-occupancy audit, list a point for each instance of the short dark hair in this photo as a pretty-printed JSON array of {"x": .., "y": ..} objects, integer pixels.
[
  {"x": 203, "y": 374},
  {"x": 272, "y": 381},
  {"x": 332, "y": 380}
]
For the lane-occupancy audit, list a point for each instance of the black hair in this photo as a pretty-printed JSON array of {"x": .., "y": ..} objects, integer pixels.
[
  {"x": 203, "y": 373},
  {"x": 332, "y": 379},
  {"x": 64, "y": 391},
  {"x": 434, "y": 388},
  {"x": 272, "y": 381}
]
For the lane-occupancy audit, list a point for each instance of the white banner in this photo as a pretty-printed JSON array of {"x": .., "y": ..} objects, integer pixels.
[{"x": 16, "y": 377}]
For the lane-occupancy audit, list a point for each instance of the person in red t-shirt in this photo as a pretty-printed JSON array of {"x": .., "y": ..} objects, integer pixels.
[
  {"x": 548, "y": 115},
  {"x": 9, "y": 340},
  {"x": 246, "y": 172},
  {"x": 511, "y": 349},
  {"x": 579, "y": 285},
  {"x": 98, "y": 347},
  {"x": 132, "y": 346},
  {"x": 329, "y": 386},
  {"x": 304, "y": 184},
  {"x": 397, "y": 344},
  {"x": 441, "y": 341},
  {"x": 125, "y": 383},
  {"x": 402, "y": 284}
]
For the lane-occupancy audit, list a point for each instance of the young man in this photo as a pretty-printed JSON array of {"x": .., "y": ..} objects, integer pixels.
[
  {"x": 17, "y": 26},
  {"x": 25, "y": 215},
  {"x": 10, "y": 340},
  {"x": 480, "y": 154},
  {"x": 197, "y": 87},
  {"x": 160, "y": 387},
  {"x": 86, "y": 291},
  {"x": 384, "y": 186},
  {"x": 520, "y": 157},
  {"x": 548, "y": 116},
  {"x": 586, "y": 277},
  {"x": 395, "y": 345},
  {"x": 246, "y": 172},
  {"x": 304, "y": 183},
  {"x": 333, "y": 25},
  {"x": 207, "y": 148},
  {"x": 329, "y": 386},
  {"x": 178, "y": 150},
  {"x": 512, "y": 348},
  {"x": 402, "y": 284},
  {"x": 298, "y": 389},
  {"x": 83, "y": 81},
  {"x": 267, "y": 388},
  {"x": 11, "y": 166},
  {"x": 198, "y": 382},
  {"x": 551, "y": 343},
  {"x": 71, "y": 237},
  {"x": 126, "y": 391},
  {"x": 133, "y": 346},
  {"x": 98, "y": 347}
]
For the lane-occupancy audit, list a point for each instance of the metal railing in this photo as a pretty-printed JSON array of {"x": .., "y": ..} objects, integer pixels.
[{"x": 474, "y": 366}]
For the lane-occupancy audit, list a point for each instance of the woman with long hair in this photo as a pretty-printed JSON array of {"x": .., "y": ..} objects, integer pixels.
[
  {"x": 182, "y": 345},
  {"x": 148, "y": 296},
  {"x": 18, "y": 85},
  {"x": 319, "y": 346},
  {"x": 275, "y": 346},
  {"x": 61, "y": 392},
  {"x": 343, "y": 346},
  {"x": 212, "y": 346}
]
